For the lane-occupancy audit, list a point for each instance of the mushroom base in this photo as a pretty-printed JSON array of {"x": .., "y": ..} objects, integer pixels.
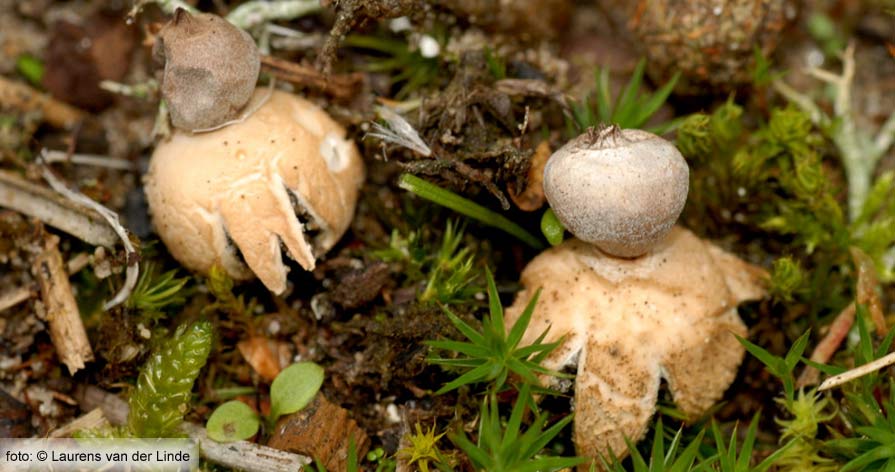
[{"x": 631, "y": 322}]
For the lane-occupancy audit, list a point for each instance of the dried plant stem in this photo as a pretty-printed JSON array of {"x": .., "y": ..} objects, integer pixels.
[
  {"x": 857, "y": 372},
  {"x": 39, "y": 202},
  {"x": 340, "y": 86},
  {"x": 860, "y": 149},
  {"x": 257, "y": 12},
  {"x": 88, "y": 160},
  {"x": 133, "y": 267},
  {"x": 66, "y": 328},
  {"x": 828, "y": 345},
  {"x": 18, "y": 96}
]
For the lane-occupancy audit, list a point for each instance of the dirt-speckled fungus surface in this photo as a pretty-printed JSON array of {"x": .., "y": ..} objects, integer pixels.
[
  {"x": 211, "y": 68},
  {"x": 630, "y": 322},
  {"x": 621, "y": 190},
  {"x": 286, "y": 177}
]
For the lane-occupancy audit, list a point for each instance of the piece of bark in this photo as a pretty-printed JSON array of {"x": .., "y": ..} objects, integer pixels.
[
  {"x": 21, "y": 97},
  {"x": 240, "y": 455},
  {"x": 46, "y": 205},
  {"x": 15, "y": 417},
  {"x": 532, "y": 198},
  {"x": 66, "y": 327},
  {"x": 321, "y": 430}
]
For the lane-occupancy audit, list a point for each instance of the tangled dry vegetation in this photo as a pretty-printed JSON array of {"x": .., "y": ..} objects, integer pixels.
[{"x": 272, "y": 226}]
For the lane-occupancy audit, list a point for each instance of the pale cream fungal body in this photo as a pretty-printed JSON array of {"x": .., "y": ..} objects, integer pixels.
[{"x": 285, "y": 178}]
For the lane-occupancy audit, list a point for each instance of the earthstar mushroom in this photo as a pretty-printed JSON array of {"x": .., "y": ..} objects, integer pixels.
[
  {"x": 628, "y": 322},
  {"x": 286, "y": 177}
]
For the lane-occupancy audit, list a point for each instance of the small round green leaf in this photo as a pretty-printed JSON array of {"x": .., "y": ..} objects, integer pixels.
[
  {"x": 552, "y": 228},
  {"x": 294, "y": 388},
  {"x": 232, "y": 421}
]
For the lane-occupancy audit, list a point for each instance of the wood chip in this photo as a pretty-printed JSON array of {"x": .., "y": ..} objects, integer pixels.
[
  {"x": 95, "y": 419},
  {"x": 21, "y": 97},
  {"x": 66, "y": 327},
  {"x": 46, "y": 205},
  {"x": 321, "y": 430},
  {"x": 532, "y": 198}
]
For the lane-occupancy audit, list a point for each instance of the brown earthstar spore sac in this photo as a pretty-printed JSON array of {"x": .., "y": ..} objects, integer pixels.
[
  {"x": 621, "y": 190},
  {"x": 629, "y": 323},
  {"x": 286, "y": 179},
  {"x": 710, "y": 42},
  {"x": 211, "y": 68}
]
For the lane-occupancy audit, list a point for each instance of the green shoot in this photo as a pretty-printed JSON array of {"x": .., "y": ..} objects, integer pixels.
[
  {"x": 292, "y": 390},
  {"x": 503, "y": 447},
  {"x": 552, "y": 228},
  {"x": 672, "y": 460},
  {"x": 154, "y": 292},
  {"x": 405, "y": 66},
  {"x": 781, "y": 367},
  {"x": 493, "y": 354},
  {"x": 631, "y": 109},
  {"x": 31, "y": 68},
  {"x": 787, "y": 278},
  {"x": 447, "y": 272},
  {"x": 164, "y": 387},
  {"x": 232, "y": 421},
  {"x": 450, "y": 278},
  {"x": 446, "y": 198},
  {"x": 423, "y": 448},
  {"x": 728, "y": 459}
]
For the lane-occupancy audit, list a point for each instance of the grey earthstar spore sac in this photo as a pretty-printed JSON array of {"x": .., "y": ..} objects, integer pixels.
[
  {"x": 211, "y": 68},
  {"x": 620, "y": 190}
]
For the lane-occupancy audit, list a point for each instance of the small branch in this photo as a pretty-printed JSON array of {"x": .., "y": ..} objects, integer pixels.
[
  {"x": 886, "y": 135},
  {"x": 253, "y": 13},
  {"x": 47, "y": 206},
  {"x": 66, "y": 327},
  {"x": 133, "y": 267},
  {"x": 802, "y": 101},
  {"x": 857, "y": 372},
  {"x": 167, "y": 6},
  {"x": 341, "y": 86},
  {"x": 828, "y": 345},
  {"x": 88, "y": 160},
  {"x": 21, "y": 97}
]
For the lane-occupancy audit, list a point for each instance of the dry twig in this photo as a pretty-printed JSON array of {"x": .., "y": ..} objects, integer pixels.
[
  {"x": 38, "y": 202},
  {"x": 21, "y": 97},
  {"x": 66, "y": 328},
  {"x": 340, "y": 86}
]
